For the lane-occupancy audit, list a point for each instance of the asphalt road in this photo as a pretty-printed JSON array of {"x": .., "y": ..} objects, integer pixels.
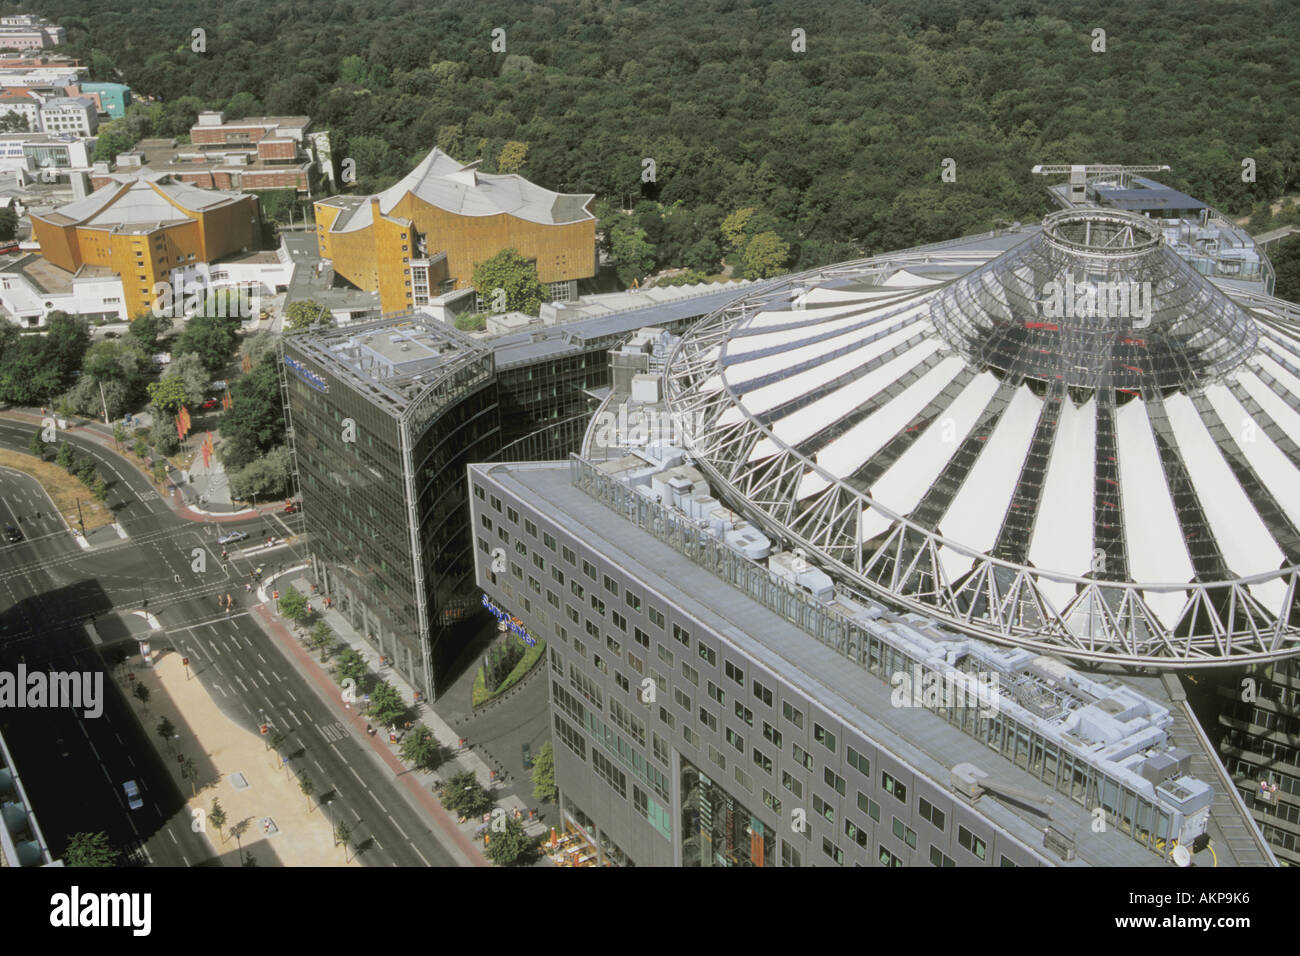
[{"x": 73, "y": 766}]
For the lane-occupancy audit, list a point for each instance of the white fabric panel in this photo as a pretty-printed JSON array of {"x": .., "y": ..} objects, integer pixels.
[
  {"x": 1271, "y": 594},
  {"x": 1241, "y": 534},
  {"x": 1288, "y": 419},
  {"x": 811, "y": 418},
  {"x": 732, "y": 415},
  {"x": 1278, "y": 371},
  {"x": 954, "y": 563},
  {"x": 906, "y": 482},
  {"x": 810, "y": 484},
  {"x": 770, "y": 396},
  {"x": 1166, "y": 605},
  {"x": 1274, "y": 468},
  {"x": 818, "y": 307},
  {"x": 977, "y": 511},
  {"x": 711, "y": 384},
  {"x": 873, "y": 523},
  {"x": 1058, "y": 593},
  {"x": 846, "y": 453},
  {"x": 763, "y": 448},
  {"x": 1156, "y": 552},
  {"x": 1063, "y": 533},
  {"x": 909, "y": 280},
  {"x": 794, "y": 356}
]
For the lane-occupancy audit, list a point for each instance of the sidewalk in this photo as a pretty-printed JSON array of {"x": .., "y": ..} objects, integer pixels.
[
  {"x": 461, "y": 758},
  {"x": 229, "y": 757}
]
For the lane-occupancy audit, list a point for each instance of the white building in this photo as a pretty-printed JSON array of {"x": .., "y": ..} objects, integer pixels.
[
  {"x": 25, "y": 31},
  {"x": 69, "y": 114},
  {"x": 23, "y": 104}
]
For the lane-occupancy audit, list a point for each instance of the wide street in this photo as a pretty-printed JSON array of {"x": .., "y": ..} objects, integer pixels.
[{"x": 170, "y": 568}]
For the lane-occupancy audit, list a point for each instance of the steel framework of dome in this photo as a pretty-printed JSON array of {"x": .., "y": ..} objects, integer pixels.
[{"x": 1077, "y": 444}]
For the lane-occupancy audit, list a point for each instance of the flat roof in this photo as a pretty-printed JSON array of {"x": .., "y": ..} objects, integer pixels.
[{"x": 852, "y": 693}]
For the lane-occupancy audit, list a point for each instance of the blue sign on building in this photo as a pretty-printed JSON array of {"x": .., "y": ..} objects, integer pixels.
[
  {"x": 511, "y": 622},
  {"x": 307, "y": 375}
]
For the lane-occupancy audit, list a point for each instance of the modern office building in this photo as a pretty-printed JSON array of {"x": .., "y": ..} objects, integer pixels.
[
  {"x": 530, "y": 397},
  {"x": 384, "y": 418},
  {"x": 713, "y": 709},
  {"x": 145, "y": 228},
  {"x": 424, "y": 235},
  {"x": 69, "y": 115}
]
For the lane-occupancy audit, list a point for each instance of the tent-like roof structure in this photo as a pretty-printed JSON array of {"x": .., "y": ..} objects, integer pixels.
[
  {"x": 140, "y": 199},
  {"x": 1080, "y": 445},
  {"x": 441, "y": 181}
]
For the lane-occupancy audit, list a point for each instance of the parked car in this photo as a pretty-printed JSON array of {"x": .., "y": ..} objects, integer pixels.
[
  {"x": 12, "y": 534},
  {"x": 110, "y": 335},
  {"x": 232, "y": 537},
  {"x": 133, "y": 799},
  {"x": 210, "y": 404},
  {"x": 528, "y": 757}
]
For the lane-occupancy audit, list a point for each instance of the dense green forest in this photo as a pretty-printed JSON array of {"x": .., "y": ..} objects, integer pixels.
[{"x": 838, "y": 148}]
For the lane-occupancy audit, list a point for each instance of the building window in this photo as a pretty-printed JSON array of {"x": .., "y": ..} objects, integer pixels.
[
  {"x": 802, "y": 757},
  {"x": 831, "y": 850},
  {"x": 716, "y": 693},
  {"x": 611, "y": 585},
  {"x": 794, "y": 716},
  {"x": 744, "y": 713},
  {"x": 888, "y": 859},
  {"x": 734, "y": 672},
  {"x": 969, "y": 841},
  {"x": 771, "y": 735},
  {"x": 868, "y": 806},
  {"x": 823, "y": 808},
  {"x": 763, "y": 760},
  {"x": 824, "y": 737},
  {"x": 890, "y": 785},
  {"x": 859, "y": 763},
  {"x": 589, "y": 569},
  {"x": 931, "y": 814},
  {"x": 633, "y": 600},
  {"x": 762, "y": 693},
  {"x": 735, "y": 740},
  {"x": 656, "y": 616},
  {"x": 708, "y": 654},
  {"x": 904, "y": 833},
  {"x": 691, "y": 674},
  {"x": 938, "y": 858},
  {"x": 641, "y": 637},
  {"x": 791, "y": 784},
  {"x": 682, "y": 636},
  {"x": 833, "y": 779}
]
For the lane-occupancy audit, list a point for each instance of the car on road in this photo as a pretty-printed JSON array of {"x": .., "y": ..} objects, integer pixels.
[
  {"x": 12, "y": 534},
  {"x": 210, "y": 404},
  {"x": 110, "y": 335},
  {"x": 133, "y": 799},
  {"x": 528, "y": 757},
  {"x": 232, "y": 537}
]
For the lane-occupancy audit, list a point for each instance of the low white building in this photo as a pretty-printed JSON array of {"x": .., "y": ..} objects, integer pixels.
[
  {"x": 69, "y": 114},
  {"x": 31, "y": 288}
]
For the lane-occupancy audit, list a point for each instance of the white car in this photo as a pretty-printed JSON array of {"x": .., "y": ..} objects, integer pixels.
[
  {"x": 232, "y": 537},
  {"x": 132, "y": 792}
]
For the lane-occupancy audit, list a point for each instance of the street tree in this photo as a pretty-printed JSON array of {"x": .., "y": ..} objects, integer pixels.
[
  {"x": 293, "y": 605},
  {"x": 463, "y": 795},
  {"x": 320, "y": 638},
  {"x": 89, "y": 849},
  {"x": 168, "y": 395},
  {"x": 190, "y": 772},
  {"x": 386, "y": 704},
  {"x": 218, "y": 816},
  {"x": 142, "y": 695},
  {"x": 166, "y": 730},
  {"x": 37, "y": 445},
  {"x": 511, "y": 846},
  {"x": 308, "y": 787},
  {"x": 342, "y": 834},
  {"x": 420, "y": 748},
  {"x": 64, "y": 456},
  {"x": 351, "y": 665}
]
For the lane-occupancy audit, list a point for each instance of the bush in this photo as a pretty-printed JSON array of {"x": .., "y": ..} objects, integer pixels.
[{"x": 501, "y": 660}]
